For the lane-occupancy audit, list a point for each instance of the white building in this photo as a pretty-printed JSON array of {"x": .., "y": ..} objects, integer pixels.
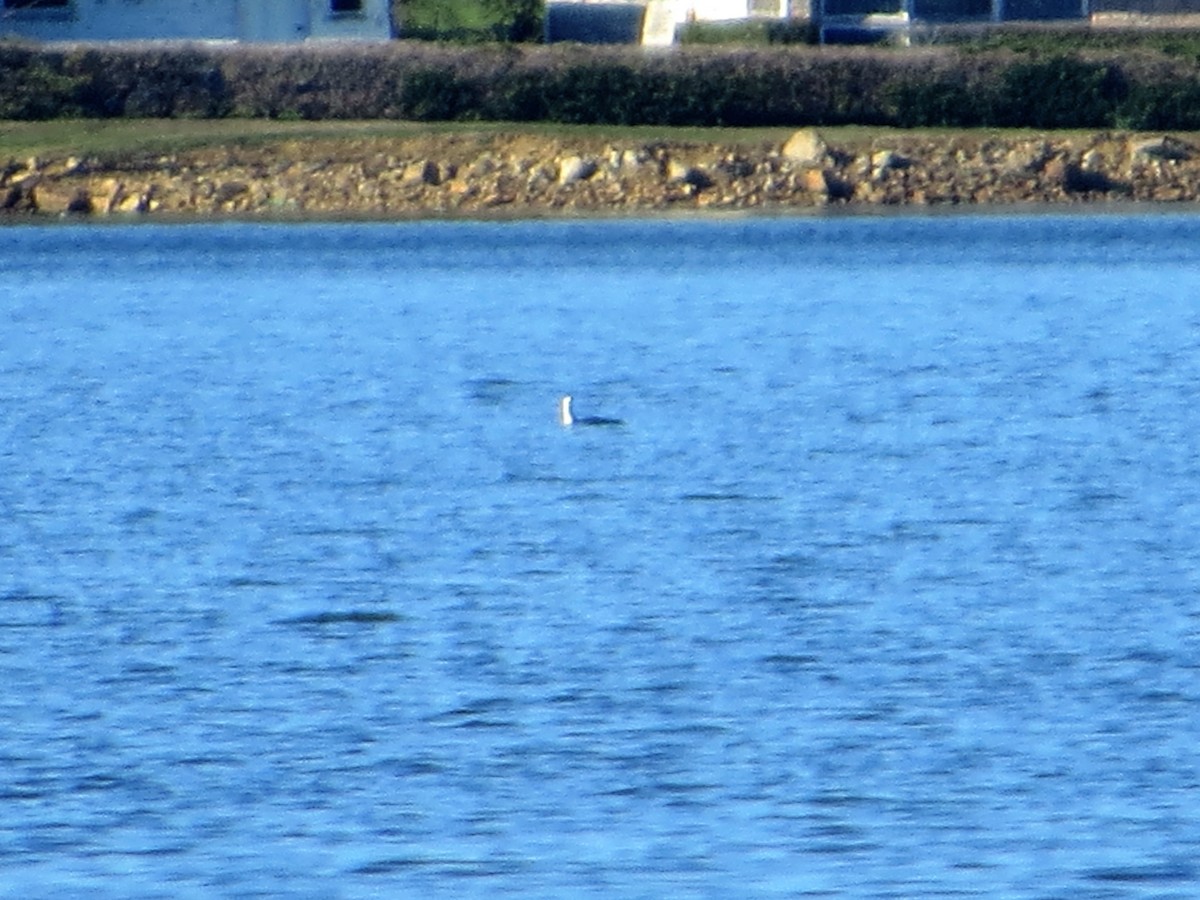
[
  {"x": 664, "y": 17},
  {"x": 239, "y": 20},
  {"x": 649, "y": 22}
]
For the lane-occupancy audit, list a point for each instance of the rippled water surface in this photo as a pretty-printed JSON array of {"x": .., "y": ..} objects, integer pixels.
[{"x": 887, "y": 587}]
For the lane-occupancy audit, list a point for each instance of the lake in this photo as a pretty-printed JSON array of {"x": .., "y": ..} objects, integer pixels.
[{"x": 887, "y": 586}]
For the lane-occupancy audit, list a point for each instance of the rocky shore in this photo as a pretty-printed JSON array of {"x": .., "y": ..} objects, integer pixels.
[{"x": 526, "y": 175}]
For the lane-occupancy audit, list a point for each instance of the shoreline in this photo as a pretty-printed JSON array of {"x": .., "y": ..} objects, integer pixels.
[{"x": 516, "y": 174}]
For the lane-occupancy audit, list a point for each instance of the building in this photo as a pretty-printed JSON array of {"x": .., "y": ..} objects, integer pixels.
[
  {"x": 664, "y": 17},
  {"x": 856, "y": 20},
  {"x": 649, "y": 22},
  {"x": 231, "y": 20}
]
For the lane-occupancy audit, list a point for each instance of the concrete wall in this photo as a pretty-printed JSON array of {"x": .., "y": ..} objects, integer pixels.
[{"x": 248, "y": 20}]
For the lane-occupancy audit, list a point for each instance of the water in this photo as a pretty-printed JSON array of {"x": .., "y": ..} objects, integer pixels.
[{"x": 887, "y": 587}]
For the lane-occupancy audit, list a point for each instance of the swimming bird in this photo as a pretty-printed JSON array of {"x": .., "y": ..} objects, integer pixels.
[{"x": 566, "y": 418}]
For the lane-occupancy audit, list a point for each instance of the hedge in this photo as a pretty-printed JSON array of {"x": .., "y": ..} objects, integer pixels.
[{"x": 767, "y": 86}]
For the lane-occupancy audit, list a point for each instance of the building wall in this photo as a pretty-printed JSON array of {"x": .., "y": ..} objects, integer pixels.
[
  {"x": 371, "y": 20},
  {"x": 593, "y": 23},
  {"x": 1033, "y": 10},
  {"x": 1147, "y": 7},
  {"x": 248, "y": 20},
  {"x": 273, "y": 20}
]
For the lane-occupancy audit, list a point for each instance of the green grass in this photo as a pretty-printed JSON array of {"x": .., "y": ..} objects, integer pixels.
[
  {"x": 119, "y": 137},
  {"x": 104, "y": 136}
]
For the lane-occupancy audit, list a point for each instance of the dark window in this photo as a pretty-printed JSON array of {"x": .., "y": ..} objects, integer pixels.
[
  {"x": 36, "y": 4},
  {"x": 345, "y": 6},
  {"x": 950, "y": 10},
  {"x": 863, "y": 7}
]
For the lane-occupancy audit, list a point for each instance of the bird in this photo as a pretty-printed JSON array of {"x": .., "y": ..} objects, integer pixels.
[{"x": 567, "y": 419}]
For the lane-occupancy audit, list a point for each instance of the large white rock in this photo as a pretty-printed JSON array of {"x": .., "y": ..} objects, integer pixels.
[
  {"x": 805, "y": 148},
  {"x": 1165, "y": 147},
  {"x": 575, "y": 168}
]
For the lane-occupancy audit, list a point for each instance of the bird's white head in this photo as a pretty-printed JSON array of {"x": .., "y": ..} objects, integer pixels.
[{"x": 564, "y": 411}]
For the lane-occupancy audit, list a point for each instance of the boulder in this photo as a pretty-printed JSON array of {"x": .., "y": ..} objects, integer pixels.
[
  {"x": 230, "y": 191},
  {"x": 805, "y": 148},
  {"x": 883, "y": 161},
  {"x": 61, "y": 199},
  {"x": 575, "y": 168},
  {"x": 1165, "y": 147},
  {"x": 81, "y": 203},
  {"x": 1092, "y": 160},
  {"x": 108, "y": 193},
  {"x": 634, "y": 158},
  {"x": 129, "y": 203},
  {"x": 20, "y": 196},
  {"x": 815, "y": 182},
  {"x": 736, "y": 166},
  {"x": 47, "y": 196},
  {"x": 1029, "y": 156},
  {"x": 1077, "y": 179},
  {"x": 483, "y": 166},
  {"x": 424, "y": 171},
  {"x": 681, "y": 173}
]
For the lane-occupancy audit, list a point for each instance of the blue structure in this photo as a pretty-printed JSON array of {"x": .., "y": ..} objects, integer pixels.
[
  {"x": 864, "y": 20},
  {"x": 229, "y": 20}
]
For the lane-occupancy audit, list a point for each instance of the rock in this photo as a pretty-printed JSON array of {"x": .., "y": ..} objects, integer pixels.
[
  {"x": 805, "y": 148},
  {"x": 110, "y": 192},
  {"x": 7, "y": 172},
  {"x": 81, "y": 203},
  {"x": 883, "y": 161},
  {"x": 1077, "y": 179},
  {"x": 483, "y": 166},
  {"x": 130, "y": 203},
  {"x": 59, "y": 199},
  {"x": 888, "y": 159},
  {"x": 20, "y": 196},
  {"x": 1055, "y": 168},
  {"x": 424, "y": 171},
  {"x": 634, "y": 158},
  {"x": 1027, "y": 157},
  {"x": 230, "y": 191},
  {"x": 575, "y": 168},
  {"x": 1165, "y": 147},
  {"x": 814, "y": 181},
  {"x": 693, "y": 176},
  {"x": 47, "y": 197},
  {"x": 415, "y": 178},
  {"x": 1092, "y": 161},
  {"x": 838, "y": 188},
  {"x": 736, "y": 166}
]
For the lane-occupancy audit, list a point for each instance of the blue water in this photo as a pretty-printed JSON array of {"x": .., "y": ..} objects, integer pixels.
[{"x": 889, "y": 586}]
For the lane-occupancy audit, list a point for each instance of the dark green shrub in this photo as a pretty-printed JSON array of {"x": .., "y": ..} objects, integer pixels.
[
  {"x": 743, "y": 86},
  {"x": 1165, "y": 106},
  {"x": 1058, "y": 92},
  {"x": 437, "y": 95},
  {"x": 33, "y": 85},
  {"x": 149, "y": 83}
]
